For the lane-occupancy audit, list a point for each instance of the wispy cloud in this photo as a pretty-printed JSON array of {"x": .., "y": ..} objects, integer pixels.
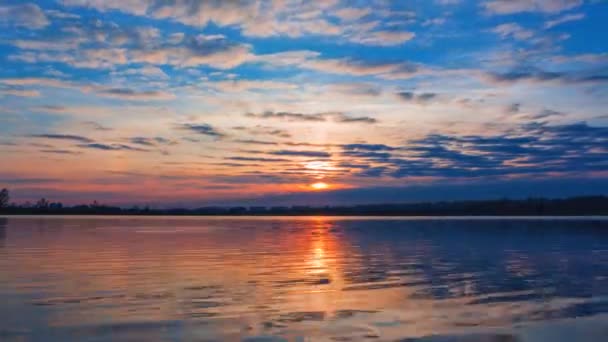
[
  {"x": 202, "y": 129},
  {"x": 297, "y": 153},
  {"x": 26, "y": 15},
  {"x": 111, "y": 147},
  {"x": 313, "y": 117},
  {"x": 564, "y": 19},
  {"x": 69, "y": 137},
  {"x": 503, "y": 7},
  {"x": 421, "y": 98}
]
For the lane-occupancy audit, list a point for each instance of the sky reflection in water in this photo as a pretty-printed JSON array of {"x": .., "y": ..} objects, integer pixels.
[{"x": 322, "y": 278}]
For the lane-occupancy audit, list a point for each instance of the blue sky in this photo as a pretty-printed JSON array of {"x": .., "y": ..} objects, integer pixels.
[{"x": 192, "y": 102}]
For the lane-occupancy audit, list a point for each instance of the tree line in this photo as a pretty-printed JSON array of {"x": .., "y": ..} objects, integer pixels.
[{"x": 587, "y": 205}]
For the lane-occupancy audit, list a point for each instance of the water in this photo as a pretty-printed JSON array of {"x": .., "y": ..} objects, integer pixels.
[{"x": 303, "y": 279}]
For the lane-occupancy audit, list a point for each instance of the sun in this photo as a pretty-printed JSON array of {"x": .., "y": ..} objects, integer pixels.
[{"x": 319, "y": 186}]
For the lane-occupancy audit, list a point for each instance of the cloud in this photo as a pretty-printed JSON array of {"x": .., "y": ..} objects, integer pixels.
[
  {"x": 514, "y": 108},
  {"x": 198, "y": 13},
  {"x": 368, "y": 147},
  {"x": 25, "y": 180},
  {"x": 96, "y": 126},
  {"x": 213, "y": 50},
  {"x": 70, "y": 137},
  {"x": 59, "y": 151},
  {"x": 202, "y": 129},
  {"x": 245, "y": 85},
  {"x": 152, "y": 142},
  {"x": 564, "y": 19},
  {"x": 421, "y": 98},
  {"x": 111, "y": 147},
  {"x": 119, "y": 93},
  {"x": 265, "y": 18},
  {"x": 255, "y": 142},
  {"x": 311, "y": 60},
  {"x": 352, "y": 13},
  {"x": 254, "y": 159},
  {"x": 62, "y": 15},
  {"x": 368, "y": 155},
  {"x": 434, "y": 22},
  {"x": 588, "y": 58},
  {"x": 383, "y": 38},
  {"x": 131, "y": 94},
  {"x": 314, "y": 117},
  {"x": 513, "y": 30},
  {"x": 478, "y": 189},
  {"x": 543, "y": 115},
  {"x": 534, "y": 148},
  {"x": 26, "y": 15},
  {"x": 357, "y": 89},
  {"x": 287, "y": 116},
  {"x": 296, "y": 153},
  {"x": 37, "y": 81},
  {"x": 533, "y": 75},
  {"x": 19, "y": 92},
  {"x": 503, "y": 7},
  {"x": 106, "y": 45},
  {"x": 401, "y": 70},
  {"x": 264, "y": 130},
  {"x": 341, "y": 117}
]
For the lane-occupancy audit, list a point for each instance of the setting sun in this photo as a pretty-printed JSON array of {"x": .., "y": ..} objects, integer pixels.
[{"x": 319, "y": 186}]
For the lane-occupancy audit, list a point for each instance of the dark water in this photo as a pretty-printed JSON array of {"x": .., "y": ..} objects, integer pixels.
[{"x": 303, "y": 279}]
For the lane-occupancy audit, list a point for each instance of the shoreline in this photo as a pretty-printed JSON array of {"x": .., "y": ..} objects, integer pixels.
[{"x": 313, "y": 216}]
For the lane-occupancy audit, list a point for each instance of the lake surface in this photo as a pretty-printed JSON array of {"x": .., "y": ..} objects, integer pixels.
[{"x": 303, "y": 279}]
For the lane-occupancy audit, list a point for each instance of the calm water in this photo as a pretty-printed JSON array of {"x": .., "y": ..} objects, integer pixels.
[{"x": 303, "y": 279}]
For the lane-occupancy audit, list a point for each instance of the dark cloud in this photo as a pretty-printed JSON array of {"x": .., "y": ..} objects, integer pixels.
[
  {"x": 531, "y": 149},
  {"x": 142, "y": 141},
  {"x": 379, "y": 156},
  {"x": 525, "y": 74},
  {"x": 373, "y": 172},
  {"x": 534, "y": 148},
  {"x": 369, "y": 147},
  {"x": 96, "y": 126},
  {"x": 314, "y": 117},
  {"x": 254, "y": 159},
  {"x": 255, "y": 142},
  {"x": 289, "y": 143},
  {"x": 131, "y": 94},
  {"x": 22, "y": 180},
  {"x": 70, "y": 137},
  {"x": 264, "y": 131},
  {"x": 294, "y": 153},
  {"x": 421, "y": 98},
  {"x": 151, "y": 141},
  {"x": 59, "y": 151},
  {"x": 287, "y": 116},
  {"x": 340, "y": 117},
  {"x": 544, "y": 114},
  {"x": 514, "y": 108},
  {"x": 111, "y": 147},
  {"x": 473, "y": 189},
  {"x": 164, "y": 141},
  {"x": 203, "y": 129}
]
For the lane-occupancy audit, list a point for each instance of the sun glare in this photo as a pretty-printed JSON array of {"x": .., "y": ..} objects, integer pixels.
[{"x": 319, "y": 186}]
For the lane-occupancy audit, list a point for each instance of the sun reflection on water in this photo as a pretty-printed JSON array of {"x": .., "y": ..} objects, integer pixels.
[{"x": 232, "y": 278}]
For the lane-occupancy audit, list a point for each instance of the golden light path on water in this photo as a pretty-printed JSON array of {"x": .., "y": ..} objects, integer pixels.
[{"x": 229, "y": 279}]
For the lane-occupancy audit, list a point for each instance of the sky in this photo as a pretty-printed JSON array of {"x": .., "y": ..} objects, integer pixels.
[{"x": 184, "y": 102}]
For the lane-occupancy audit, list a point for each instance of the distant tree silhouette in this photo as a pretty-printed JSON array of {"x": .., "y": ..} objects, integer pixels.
[
  {"x": 4, "y": 198},
  {"x": 42, "y": 203},
  {"x": 589, "y": 205}
]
